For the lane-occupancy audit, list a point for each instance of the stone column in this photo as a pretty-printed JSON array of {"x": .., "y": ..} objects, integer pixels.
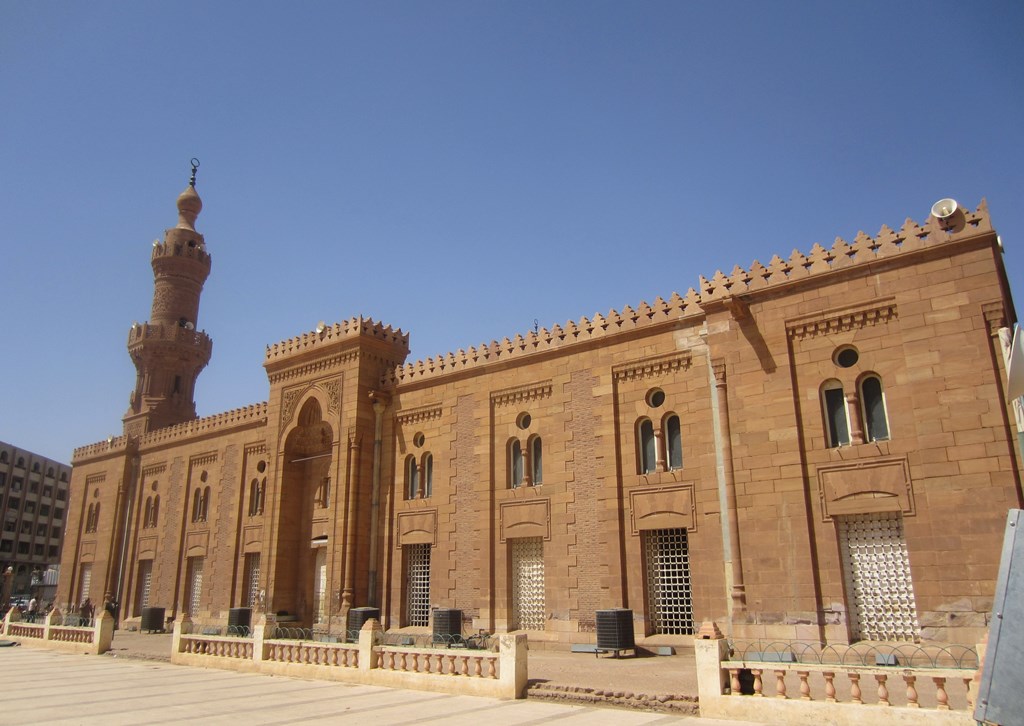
[{"x": 738, "y": 592}]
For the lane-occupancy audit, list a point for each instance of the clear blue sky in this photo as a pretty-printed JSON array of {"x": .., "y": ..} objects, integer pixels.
[{"x": 458, "y": 169}]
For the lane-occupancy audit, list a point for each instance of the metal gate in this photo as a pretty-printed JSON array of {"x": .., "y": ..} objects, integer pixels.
[
  {"x": 418, "y": 584},
  {"x": 669, "y": 603},
  {"x": 320, "y": 585},
  {"x": 86, "y": 582},
  {"x": 195, "y": 585},
  {"x": 145, "y": 583},
  {"x": 876, "y": 568},
  {"x": 252, "y": 580},
  {"x": 528, "y": 583}
]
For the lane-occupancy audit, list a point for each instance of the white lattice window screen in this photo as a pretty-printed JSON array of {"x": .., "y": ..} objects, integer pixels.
[
  {"x": 668, "y": 581},
  {"x": 86, "y": 580},
  {"x": 145, "y": 582},
  {"x": 320, "y": 585},
  {"x": 252, "y": 579},
  {"x": 418, "y": 557},
  {"x": 195, "y": 585},
  {"x": 876, "y": 567},
  {"x": 528, "y": 583}
]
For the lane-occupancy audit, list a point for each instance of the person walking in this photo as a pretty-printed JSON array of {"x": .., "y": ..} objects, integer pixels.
[{"x": 33, "y": 608}]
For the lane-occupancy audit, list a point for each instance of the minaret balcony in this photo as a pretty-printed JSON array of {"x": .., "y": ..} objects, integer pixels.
[{"x": 141, "y": 335}]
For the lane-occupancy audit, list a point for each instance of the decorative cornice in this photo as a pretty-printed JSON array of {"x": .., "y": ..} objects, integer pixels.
[
  {"x": 418, "y": 415},
  {"x": 519, "y": 394},
  {"x": 839, "y": 320},
  {"x": 154, "y": 469},
  {"x": 255, "y": 449},
  {"x": 995, "y": 316},
  {"x": 209, "y": 457},
  {"x": 656, "y": 365},
  {"x": 318, "y": 366},
  {"x": 255, "y": 414}
]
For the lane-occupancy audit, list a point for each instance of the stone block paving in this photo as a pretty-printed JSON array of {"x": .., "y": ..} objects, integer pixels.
[{"x": 43, "y": 687}]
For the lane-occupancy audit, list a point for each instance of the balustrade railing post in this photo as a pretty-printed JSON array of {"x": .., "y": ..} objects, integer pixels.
[
  {"x": 883, "y": 691},
  {"x": 370, "y": 637},
  {"x": 264, "y": 623},
  {"x": 49, "y": 620},
  {"x": 512, "y": 664},
  {"x": 182, "y": 626},
  {"x": 912, "y": 701}
]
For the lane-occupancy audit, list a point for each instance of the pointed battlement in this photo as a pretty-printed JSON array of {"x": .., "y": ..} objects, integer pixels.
[
  {"x": 347, "y": 330},
  {"x": 819, "y": 261}
]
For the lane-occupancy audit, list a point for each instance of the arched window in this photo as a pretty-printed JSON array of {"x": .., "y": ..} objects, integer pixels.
[
  {"x": 254, "y": 497},
  {"x": 837, "y": 418},
  {"x": 323, "y": 493},
  {"x": 156, "y": 510},
  {"x": 412, "y": 478},
  {"x": 49, "y": 472},
  {"x": 536, "y": 460},
  {"x": 206, "y": 504},
  {"x": 647, "y": 454},
  {"x": 673, "y": 442},
  {"x": 147, "y": 515},
  {"x": 876, "y": 420},
  {"x": 3, "y": 457},
  {"x": 92, "y": 520},
  {"x": 515, "y": 464},
  {"x": 428, "y": 474},
  {"x": 197, "y": 505}
]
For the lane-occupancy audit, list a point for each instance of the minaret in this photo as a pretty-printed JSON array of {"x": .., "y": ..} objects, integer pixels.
[{"x": 168, "y": 351}]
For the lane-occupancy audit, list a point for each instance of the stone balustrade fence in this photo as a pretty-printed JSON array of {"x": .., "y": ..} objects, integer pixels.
[
  {"x": 94, "y": 638},
  {"x": 775, "y": 690},
  {"x": 501, "y": 674}
]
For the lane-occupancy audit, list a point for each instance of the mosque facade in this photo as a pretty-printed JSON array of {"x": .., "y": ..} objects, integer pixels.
[{"x": 819, "y": 448}]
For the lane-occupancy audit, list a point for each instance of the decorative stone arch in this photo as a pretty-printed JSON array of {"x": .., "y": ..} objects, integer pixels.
[{"x": 326, "y": 393}]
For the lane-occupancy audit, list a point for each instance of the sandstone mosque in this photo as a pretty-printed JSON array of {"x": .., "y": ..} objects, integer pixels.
[{"x": 820, "y": 448}]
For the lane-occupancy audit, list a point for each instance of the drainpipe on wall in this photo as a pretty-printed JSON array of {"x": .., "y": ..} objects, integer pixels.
[{"x": 379, "y": 404}]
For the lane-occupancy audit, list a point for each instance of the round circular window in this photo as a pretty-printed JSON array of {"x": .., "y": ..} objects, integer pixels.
[
  {"x": 846, "y": 357},
  {"x": 261, "y": 467},
  {"x": 524, "y": 421},
  {"x": 655, "y": 397},
  {"x": 418, "y": 439}
]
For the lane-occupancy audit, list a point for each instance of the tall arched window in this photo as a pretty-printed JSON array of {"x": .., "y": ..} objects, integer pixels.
[
  {"x": 148, "y": 513},
  {"x": 876, "y": 420},
  {"x": 673, "y": 442},
  {"x": 428, "y": 474},
  {"x": 837, "y": 419},
  {"x": 412, "y": 478},
  {"x": 515, "y": 463},
  {"x": 254, "y": 497},
  {"x": 206, "y": 504},
  {"x": 197, "y": 505},
  {"x": 537, "y": 460},
  {"x": 647, "y": 454},
  {"x": 156, "y": 509}
]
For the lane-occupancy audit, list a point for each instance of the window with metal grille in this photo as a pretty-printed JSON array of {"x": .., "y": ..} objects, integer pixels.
[
  {"x": 86, "y": 581},
  {"x": 252, "y": 579},
  {"x": 528, "y": 583},
  {"x": 876, "y": 567},
  {"x": 320, "y": 586},
  {"x": 145, "y": 583},
  {"x": 195, "y": 585},
  {"x": 417, "y": 558},
  {"x": 667, "y": 560}
]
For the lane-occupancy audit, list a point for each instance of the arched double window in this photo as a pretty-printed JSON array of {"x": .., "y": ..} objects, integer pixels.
[
  {"x": 419, "y": 476},
  {"x": 427, "y": 474},
  {"x": 257, "y": 491},
  {"x": 656, "y": 453},
  {"x": 152, "y": 512},
  {"x": 200, "y": 504},
  {"x": 872, "y": 400}
]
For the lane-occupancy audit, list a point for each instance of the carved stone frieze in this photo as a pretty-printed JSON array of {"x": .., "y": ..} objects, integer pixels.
[
  {"x": 864, "y": 487},
  {"x": 662, "y": 508},
  {"x": 520, "y": 394},
  {"x": 839, "y": 320},
  {"x": 525, "y": 519},
  {"x": 657, "y": 365},
  {"x": 418, "y": 415},
  {"x": 417, "y": 527}
]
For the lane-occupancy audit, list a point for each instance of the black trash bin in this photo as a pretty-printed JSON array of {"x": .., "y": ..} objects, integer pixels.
[{"x": 152, "y": 620}]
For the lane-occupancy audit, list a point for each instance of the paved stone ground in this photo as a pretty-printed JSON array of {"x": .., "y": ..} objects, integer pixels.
[{"x": 45, "y": 688}]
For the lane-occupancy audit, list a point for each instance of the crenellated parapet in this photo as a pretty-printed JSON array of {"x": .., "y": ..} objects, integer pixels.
[
  {"x": 841, "y": 255},
  {"x": 247, "y": 415},
  {"x": 146, "y": 333},
  {"x": 351, "y": 329},
  {"x": 573, "y": 333},
  {"x": 100, "y": 448}
]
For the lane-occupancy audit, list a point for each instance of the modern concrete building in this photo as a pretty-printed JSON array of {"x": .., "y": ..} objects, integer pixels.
[
  {"x": 817, "y": 448},
  {"x": 34, "y": 507}
]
